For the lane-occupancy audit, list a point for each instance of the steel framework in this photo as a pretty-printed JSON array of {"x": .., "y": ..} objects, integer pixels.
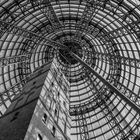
[{"x": 104, "y": 78}]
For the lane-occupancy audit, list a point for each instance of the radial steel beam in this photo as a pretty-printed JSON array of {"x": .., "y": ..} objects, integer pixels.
[
  {"x": 29, "y": 35},
  {"x": 110, "y": 86},
  {"x": 89, "y": 11},
  {"x": 48, "y": 11},
  {"x": 13, "y": 60},
  {"x": 52, "y": 15},
  {"x": 123, "y": 60},
  {"x": 85, "y": 19},
  {"x": 111, "y": 110}
]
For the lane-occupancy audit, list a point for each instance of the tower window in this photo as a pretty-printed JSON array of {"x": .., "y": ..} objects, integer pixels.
[
  {"x": 39, "y": 137},
  {"x": 64, "y": 103},
  {"x": 60, "y": 81},
  {"x": 65, "y": 89},
  {"x": 65, "y": 127},
  {"x": 58, "y": 94},
  {"x": 54, "y": 73},
  {"x": 44, "y": 118},
  {"x": 52, "y": 84},
  {"x": 53, "y": 131},
  {"x": 15, "y": 116},
  {"x": 55, "y": 113},
  {"x": 34, "y": 82}
]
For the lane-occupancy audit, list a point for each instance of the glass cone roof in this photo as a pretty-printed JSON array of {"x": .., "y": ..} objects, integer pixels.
[{"x": 105, "y": 34}]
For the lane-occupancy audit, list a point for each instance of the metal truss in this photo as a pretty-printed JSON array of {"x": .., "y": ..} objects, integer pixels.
[
  {"x": 22, "y": 62},
  {"x": 123, "y": 60},
  {"x": 36, "y": 5},
  {"x": 49, "y": 12},
  {"x": 129, "y": 132},
  {"x": 7, "y": 96},
  {"x": 96, "y": 102},
  {"x": 132, "y": 26},
  {"x": 111, "y": 113},
  {"x": 9, "y": 28},
  {"x": 111, "y": 118},
  {"x": 24, "y": 69},
  {"x": 83, "y": 24},
  {"x": 123, "y": 95},
  {"x": 106, "y": 21},
  {"x": 23, "y": 66},
  {"x": 114, "y": 118},
  {"x": 54, "y": 24},
  {"x": 124, "y": 30},
  {"x": 91, "y": 105},
  {"x": 86, "y": 107},
  {"x": 13, "y": 60},
  {"x": 82, "y": 125},
  {"x": 127, "y": 92},
  {"x": 108, "y": 112},
  {"x": 105, "y": 38},
  {"x": 85, "y": 19}
]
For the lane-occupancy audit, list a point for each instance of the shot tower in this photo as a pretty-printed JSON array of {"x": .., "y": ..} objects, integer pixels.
[{"x": 40, "y": 111}]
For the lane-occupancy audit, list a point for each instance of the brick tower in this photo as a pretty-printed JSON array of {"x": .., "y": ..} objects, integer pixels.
[{"x": 40, "y": 111}]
